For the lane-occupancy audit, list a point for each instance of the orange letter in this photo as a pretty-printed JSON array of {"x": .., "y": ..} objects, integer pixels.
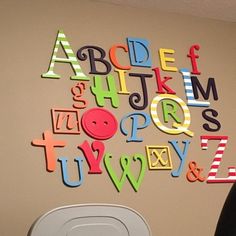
[{"x": 113, "y": 59}]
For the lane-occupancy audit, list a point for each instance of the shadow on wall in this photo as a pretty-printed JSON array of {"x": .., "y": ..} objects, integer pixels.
[{"x": 227, "y": 222}]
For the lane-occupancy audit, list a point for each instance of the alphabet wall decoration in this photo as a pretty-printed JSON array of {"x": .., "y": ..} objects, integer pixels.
[{"x": 101, "y": 124}]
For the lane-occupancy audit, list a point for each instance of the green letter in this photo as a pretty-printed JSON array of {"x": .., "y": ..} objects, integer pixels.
[{"x": 71, "y": 58}]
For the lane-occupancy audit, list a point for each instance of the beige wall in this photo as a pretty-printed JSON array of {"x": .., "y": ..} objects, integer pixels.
[{"x": 171, "y": 206}]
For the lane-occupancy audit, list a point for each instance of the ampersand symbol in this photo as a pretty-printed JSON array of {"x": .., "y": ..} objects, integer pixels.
[
  {"x": 194, "y": 172},
  {"x": 77, "y": 91}
]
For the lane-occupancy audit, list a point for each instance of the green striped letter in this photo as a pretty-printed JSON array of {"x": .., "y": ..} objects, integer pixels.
[{"x": 71, "y": 58}]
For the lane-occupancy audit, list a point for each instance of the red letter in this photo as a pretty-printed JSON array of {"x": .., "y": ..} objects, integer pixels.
[
  {"x": 217, "y": 160},
  {"x": 161, "y": 84},
  {"x": 93, "y": 162},
  {"x": 193, "y": 57}
]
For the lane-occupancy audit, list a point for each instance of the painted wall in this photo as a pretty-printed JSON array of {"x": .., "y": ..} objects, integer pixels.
[{"x": 171, "y": 206}]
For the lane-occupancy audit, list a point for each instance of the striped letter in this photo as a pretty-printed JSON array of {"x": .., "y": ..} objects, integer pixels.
[
  {"x": 176, "y": 128},
  {"x": 189, "y": 90},
  {"x": 71, "y": 58},
  {"x": 217, "y": 160}
]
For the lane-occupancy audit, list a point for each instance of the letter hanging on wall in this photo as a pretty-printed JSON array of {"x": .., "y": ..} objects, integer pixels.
[
  {"x": 165, "y": 113},
  {"x": 71, "y": 59}
]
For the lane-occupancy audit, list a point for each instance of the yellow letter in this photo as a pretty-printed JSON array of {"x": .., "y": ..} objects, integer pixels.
[{"x": 165, "y": 59}]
